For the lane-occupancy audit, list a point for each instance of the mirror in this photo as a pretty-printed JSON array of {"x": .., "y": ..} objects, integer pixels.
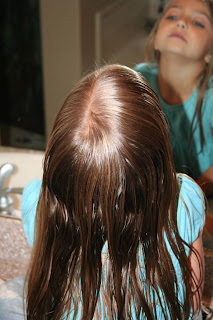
[
  {"x": 49, "y": 45},
  {"x": 22, "y": 117}
]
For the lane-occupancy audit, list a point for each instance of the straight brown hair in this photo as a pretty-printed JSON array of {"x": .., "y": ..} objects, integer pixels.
[{"x": 109, "y": 180}]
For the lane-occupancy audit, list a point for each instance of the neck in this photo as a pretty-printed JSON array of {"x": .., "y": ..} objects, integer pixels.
[{"x": 178, "y": 78}]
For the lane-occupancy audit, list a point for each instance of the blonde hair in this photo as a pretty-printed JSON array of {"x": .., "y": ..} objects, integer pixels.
[{"x": 153, "y": 56}]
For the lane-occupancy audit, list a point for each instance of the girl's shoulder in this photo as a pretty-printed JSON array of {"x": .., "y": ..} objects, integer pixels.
[
  {"x": 29, "y": 203},
  {"x": 209, "y": 91},
  {"x": 191, "y": 208},
  {"x": 207, "y": 112},
  {"x": 188, "y": 185},
  {"x": 211, "y": 82},
  {"x": 150, "y": 72},
  {"x": 147, "y": 68}
]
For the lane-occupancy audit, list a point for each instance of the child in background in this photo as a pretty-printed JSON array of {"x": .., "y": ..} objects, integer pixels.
[
  {"x": 179, "y": 67},
  {"x": 117, "y": 234}
]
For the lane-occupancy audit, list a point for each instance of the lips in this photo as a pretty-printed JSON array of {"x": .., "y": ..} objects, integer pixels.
[{"x": 177, "y": 35}]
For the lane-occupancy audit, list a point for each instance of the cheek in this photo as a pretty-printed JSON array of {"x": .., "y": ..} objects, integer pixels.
[
  {"x": 206, "y": 47},
  {"x": 157, "y": 42},
  {"x": 210, "y": 43},
  {"x": 159, "y": 37},
  {"x": 205, "y": 42}
]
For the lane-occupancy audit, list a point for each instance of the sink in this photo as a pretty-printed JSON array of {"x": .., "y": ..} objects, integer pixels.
[
  {"x": 14, "y": 248},
  {"x": 28, "y": 166}
]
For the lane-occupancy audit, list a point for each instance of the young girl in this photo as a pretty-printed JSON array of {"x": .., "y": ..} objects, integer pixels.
[
  {"x": 179, "y": 53},
  {"x": 117, "y": 234}
]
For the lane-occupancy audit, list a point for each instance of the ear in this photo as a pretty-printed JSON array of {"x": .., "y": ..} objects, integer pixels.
[{"x": 208, "y": 58}]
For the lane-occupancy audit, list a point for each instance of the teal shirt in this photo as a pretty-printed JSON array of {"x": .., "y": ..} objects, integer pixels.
[
  {"x": 190, "y": 223},
  {"x": 188, "y": 158}
]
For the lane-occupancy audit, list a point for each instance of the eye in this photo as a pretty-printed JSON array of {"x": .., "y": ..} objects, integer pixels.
[
  {"x": 171, "y": 17},
  {"x": 199, "y": 24}
]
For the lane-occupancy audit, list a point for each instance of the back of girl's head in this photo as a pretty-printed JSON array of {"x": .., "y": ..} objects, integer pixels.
[
  {"x": 108, "y": 156},
  {"x": 108, "y": 177}
]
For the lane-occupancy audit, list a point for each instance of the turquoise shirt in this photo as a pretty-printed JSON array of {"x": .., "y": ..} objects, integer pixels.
[
  {"x": 188, "y": 158},
  {"x": 190, "y": 223}
]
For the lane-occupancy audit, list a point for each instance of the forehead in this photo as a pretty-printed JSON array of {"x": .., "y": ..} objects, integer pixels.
[{"x": 191, "y": 5}]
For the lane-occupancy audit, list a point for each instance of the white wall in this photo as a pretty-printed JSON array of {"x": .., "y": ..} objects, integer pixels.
[{"x": 61, "y": 57}]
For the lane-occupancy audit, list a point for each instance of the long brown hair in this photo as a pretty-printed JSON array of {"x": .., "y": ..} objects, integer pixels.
[
  {"x": 109, "y": 180},
  {"x": 153, "y": 56}
]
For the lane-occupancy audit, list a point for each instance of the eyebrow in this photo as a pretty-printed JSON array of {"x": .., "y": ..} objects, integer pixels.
[{"x": 197, "y": 12}]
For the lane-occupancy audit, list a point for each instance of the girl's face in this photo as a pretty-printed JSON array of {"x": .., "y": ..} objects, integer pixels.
[{"x": 186, "y": 29}]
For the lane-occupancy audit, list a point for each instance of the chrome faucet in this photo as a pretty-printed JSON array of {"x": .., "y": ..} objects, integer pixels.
[{"x": 6, "y": 201}]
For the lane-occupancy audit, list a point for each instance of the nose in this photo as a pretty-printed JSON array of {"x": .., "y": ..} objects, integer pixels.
[{"x": 181, "y": 24}]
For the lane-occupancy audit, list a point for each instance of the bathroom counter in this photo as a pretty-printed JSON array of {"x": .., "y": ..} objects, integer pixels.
[{"x": 14, "y": 249}]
